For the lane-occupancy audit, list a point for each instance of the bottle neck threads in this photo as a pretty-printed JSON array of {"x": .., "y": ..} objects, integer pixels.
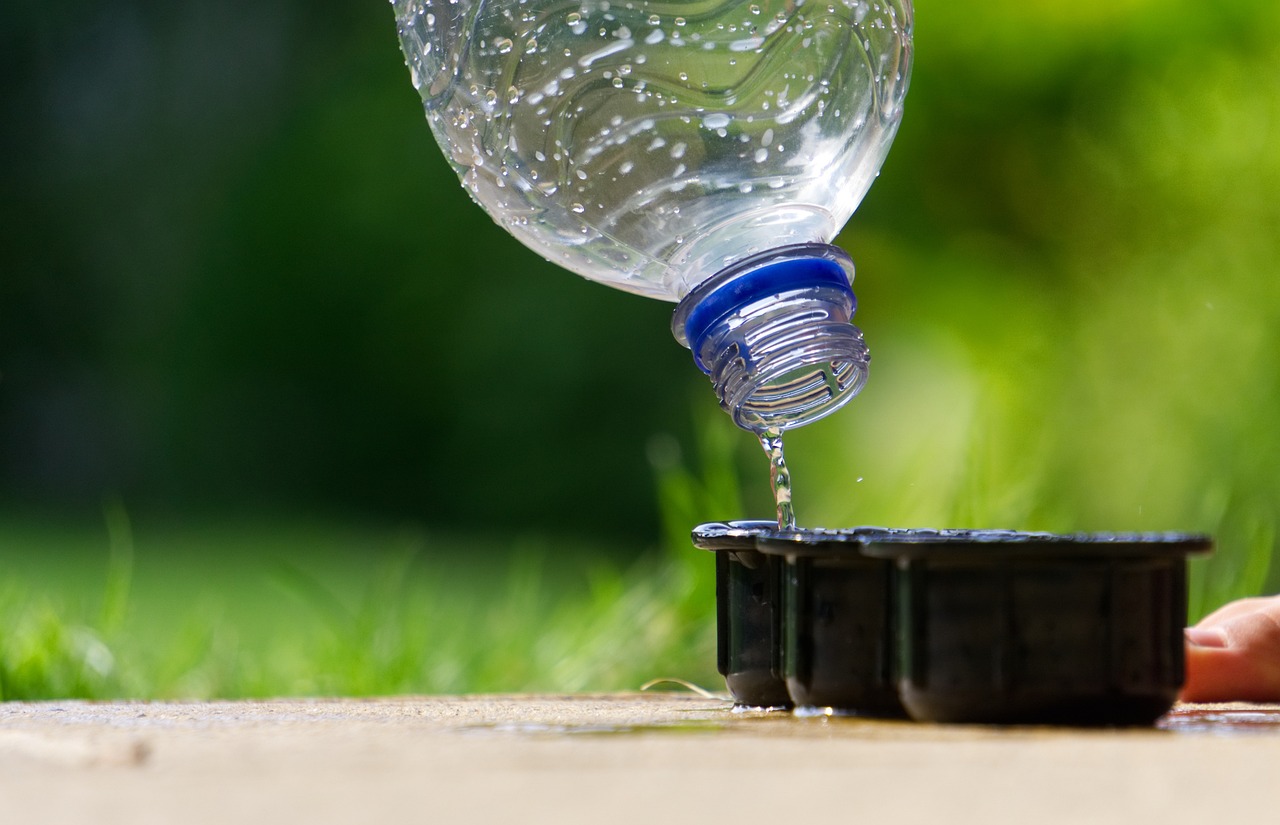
[{"x": 774, "y": 334}]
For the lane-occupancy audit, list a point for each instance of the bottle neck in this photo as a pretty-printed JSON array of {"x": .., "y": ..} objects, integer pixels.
[{"x": 774, "y": 334}]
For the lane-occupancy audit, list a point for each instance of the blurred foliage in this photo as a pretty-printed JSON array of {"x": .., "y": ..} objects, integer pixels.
[
  {"x": 236, "y": 273},
  {"x": 1082, "y": 330},
  {"x": 262, "y": 609}
]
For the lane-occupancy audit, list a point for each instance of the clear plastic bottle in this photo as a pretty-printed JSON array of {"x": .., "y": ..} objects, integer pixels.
[{"x": 700, "y": 152}]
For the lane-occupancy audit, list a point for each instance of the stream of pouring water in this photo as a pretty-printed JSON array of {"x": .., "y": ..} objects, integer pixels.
[{"x": 779, "y": 478}]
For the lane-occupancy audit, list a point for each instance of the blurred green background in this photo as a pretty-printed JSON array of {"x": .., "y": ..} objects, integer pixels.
[{"x": 282, "y": 411}]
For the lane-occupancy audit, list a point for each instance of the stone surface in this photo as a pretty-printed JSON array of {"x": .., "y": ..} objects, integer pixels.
[{"x": 648, "y": 758}]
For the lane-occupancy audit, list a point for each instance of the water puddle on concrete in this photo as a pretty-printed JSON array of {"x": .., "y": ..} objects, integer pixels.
[
  {"x": 1223, "y": 721},
  {"x": 1211, "y": 720},
  {"x": 536, "y": 729},
  {"x": 694, "y": 721}
]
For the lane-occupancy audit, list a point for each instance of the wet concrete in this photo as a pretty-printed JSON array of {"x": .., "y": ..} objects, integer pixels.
[{"x": 614, "y": 758}]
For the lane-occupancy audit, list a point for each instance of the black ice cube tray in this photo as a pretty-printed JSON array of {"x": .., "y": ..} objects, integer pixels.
[
  {"x": 967, "y": 625},
  {"x": 749, "y": 629}
]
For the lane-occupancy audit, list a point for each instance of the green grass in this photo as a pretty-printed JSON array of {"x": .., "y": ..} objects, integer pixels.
[
  {"x": 287, "y": 608},
  {"x": 277, "y": 607},
  {"x": 106, "y": 607}
]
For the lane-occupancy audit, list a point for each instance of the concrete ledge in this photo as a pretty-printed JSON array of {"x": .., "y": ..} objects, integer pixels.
[{"x": 644, "y": 758}]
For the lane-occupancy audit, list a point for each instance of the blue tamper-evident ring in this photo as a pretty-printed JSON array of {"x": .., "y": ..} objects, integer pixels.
[{"x": 768, "y": 280}]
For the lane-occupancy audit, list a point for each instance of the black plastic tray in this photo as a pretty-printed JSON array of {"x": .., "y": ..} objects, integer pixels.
[
  {"x": 840, "y": 622},
  {"x": 749, "y": 627},
  {"x": 1002, "y": 627},
  {"x": 986, "y": 626}
]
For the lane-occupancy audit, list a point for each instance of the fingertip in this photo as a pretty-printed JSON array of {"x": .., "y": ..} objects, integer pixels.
[
  {"x": 1210, "y": 637},
  {"x": 1210, "y": 674}
]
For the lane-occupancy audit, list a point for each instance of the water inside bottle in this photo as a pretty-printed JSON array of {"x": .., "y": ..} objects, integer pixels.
[{"x": 648, "y": 145}]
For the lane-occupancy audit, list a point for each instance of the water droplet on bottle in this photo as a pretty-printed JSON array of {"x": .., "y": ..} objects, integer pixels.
[
  {"x": 679, "y": 21},
  {"x": 578, "y": 208},
  {"x": 504, "y": 45},
  {"x": 531, "y": 45},
  {"x": 654, "y": 20},
  {"x": 761, "y": 155},
  {"x": 716, "y": 120},
  {"x": 626, "y": 167},
  {"x": 513, "y": 95},
  {"x": 753, "y": 8},
  {"x": 617, "y": 83},
  {"x": 573, "y": 18},
  {"x": 677, "y": 150}
]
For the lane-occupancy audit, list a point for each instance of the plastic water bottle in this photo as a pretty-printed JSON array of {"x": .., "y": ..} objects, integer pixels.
[{"x": 694, "y": 151}]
